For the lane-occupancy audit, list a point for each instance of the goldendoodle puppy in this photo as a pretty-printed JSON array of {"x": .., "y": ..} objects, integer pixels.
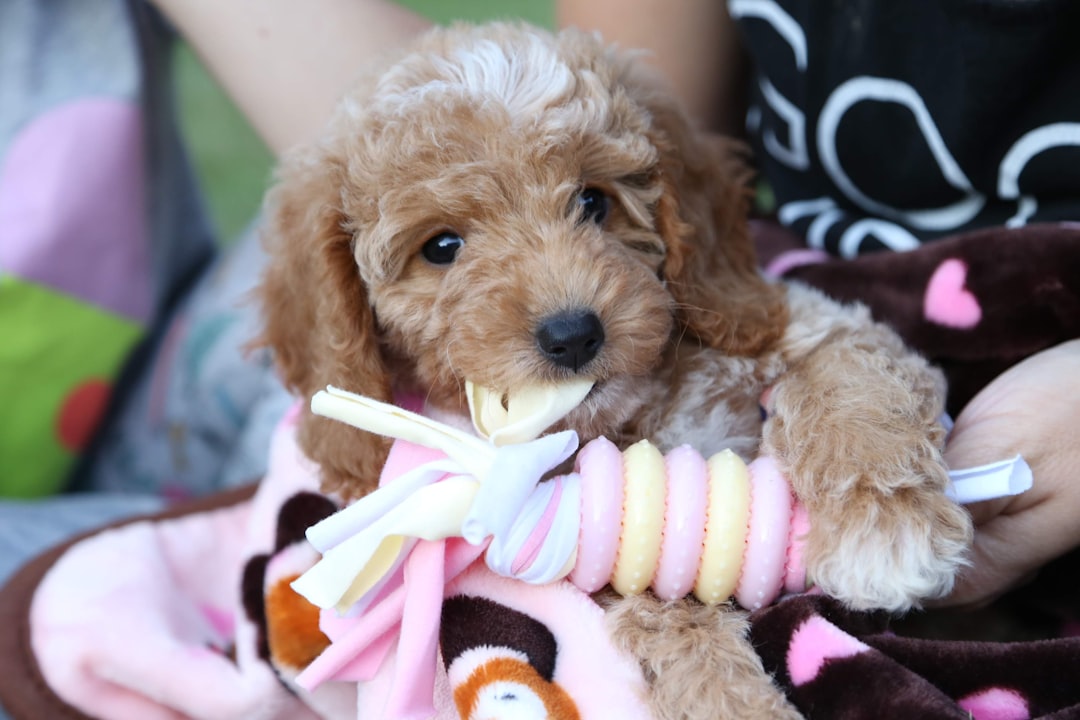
[{"x": 514, "y": 208}]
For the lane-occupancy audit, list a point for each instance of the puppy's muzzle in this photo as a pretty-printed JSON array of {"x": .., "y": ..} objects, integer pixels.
[{"x": 570, "y": 339}]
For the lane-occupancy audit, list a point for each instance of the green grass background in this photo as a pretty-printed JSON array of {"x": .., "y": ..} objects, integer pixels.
[{"x": 232, "y": 163}]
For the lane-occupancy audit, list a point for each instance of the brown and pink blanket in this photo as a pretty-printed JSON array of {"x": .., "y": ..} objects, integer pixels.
[{"x": 169, "y": 616}]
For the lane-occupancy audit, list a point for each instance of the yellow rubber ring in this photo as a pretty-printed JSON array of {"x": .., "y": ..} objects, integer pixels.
[
  {"x": 725, "y": 529},
  {"x": 645, "y": 483}
]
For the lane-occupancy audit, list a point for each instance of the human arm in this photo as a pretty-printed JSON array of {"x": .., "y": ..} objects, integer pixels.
[
  {"x": 1032, "y": 409},
  {"x": 286, "y": 63},
  {"x": 694, "y": 43}
]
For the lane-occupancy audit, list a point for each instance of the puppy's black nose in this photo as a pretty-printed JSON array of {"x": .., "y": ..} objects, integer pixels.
[{"x": 570, "y": 339}]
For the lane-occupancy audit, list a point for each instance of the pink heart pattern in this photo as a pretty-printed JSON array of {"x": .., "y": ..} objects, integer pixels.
[
  {"x": 996, "y": 703},
  {"x": 814, "y": 643},
  {"x": 947, "y": 302}
]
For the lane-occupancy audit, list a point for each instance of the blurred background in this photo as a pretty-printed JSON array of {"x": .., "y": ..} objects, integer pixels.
[{"x": 232, "y": 162}]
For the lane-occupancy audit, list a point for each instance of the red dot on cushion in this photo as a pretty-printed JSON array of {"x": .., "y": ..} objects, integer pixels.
[{"x": 80, "y": 414}]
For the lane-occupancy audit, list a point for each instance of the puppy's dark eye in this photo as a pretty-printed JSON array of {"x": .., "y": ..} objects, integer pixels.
[
  {"x": 593, "y": 205},
  {"x": 442, "y": 249}
]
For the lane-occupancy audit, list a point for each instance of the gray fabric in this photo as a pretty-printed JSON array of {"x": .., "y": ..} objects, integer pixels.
[
  {"x": 192, "y": 411},
  {"x": 54, "y": 51},
  {"x": 61, "y": 51},
  {"x": 200, "y": 420}
]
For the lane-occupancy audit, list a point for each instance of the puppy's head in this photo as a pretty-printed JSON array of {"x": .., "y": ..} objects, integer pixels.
[{"x": 513, "y": 208}]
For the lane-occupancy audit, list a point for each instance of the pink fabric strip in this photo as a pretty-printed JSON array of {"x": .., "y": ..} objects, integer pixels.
[
  {"x": 787, "y": 261},
  {"x": 353, "y": 642},
  {"x": 411, "y": 692},
  {"x": 365, "y": 666},
  {"x": 531, "y": 548},
  {"x": 410, "y": 606}
]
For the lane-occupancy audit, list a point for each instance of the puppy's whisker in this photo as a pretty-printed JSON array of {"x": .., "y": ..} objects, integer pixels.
[
  {"x": 696, "y": 308},
  {"x": 450, "y": 361},
  {"x": 682, "y": 336}
]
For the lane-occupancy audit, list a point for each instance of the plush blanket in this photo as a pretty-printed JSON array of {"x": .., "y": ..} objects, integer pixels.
[
  {"x": 975, "y": 304},
  {"x": 834, "y": 663},
  {"x": 143, "y": 621},
  {"x": 189, "y": 614},
  {"x": 182, "y": 615},
  {"x": 185, "y": 614}
]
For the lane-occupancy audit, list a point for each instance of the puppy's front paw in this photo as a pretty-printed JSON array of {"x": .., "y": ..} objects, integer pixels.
[
  {"x": 855, "y": 425},
  {"x": 888, "y": 551}
]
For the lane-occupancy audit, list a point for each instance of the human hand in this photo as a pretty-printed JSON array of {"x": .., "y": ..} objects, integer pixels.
[{"x": 1033, "y": 409}]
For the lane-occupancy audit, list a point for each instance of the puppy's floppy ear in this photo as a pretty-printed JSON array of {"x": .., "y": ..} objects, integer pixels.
[
  {"x": 318, "y": 319},
  {"x": 702, "y": 215}
]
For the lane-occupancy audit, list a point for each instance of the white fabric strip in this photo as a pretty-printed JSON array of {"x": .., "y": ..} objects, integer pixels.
[{"x": 986, "y": 482}]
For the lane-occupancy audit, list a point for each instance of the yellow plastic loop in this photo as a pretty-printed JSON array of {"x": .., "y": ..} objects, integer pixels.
[
  {"x": 643, "y": 518},
  {"x": 726, "y": 528}
]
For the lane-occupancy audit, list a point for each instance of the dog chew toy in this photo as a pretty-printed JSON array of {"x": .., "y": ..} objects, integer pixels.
[{"x": 679, "y": 523}]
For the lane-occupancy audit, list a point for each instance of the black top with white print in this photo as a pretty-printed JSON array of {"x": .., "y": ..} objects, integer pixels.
[{"x": 886, "y": 124}]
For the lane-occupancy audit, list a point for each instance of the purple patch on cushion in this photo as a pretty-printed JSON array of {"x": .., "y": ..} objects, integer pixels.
[{"x": 72, "y": 208}]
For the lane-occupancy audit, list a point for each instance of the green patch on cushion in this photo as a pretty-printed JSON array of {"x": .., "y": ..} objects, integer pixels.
[{"x": 58, "y": 360}]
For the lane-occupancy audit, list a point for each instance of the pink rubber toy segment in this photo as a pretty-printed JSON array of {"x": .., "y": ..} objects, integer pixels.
[
  {"x": 684, "y": 523},
  {"x": 795, "y": 572},
  {"x": 767, "y": 543},
  {"x": 601, "y": 468}
]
